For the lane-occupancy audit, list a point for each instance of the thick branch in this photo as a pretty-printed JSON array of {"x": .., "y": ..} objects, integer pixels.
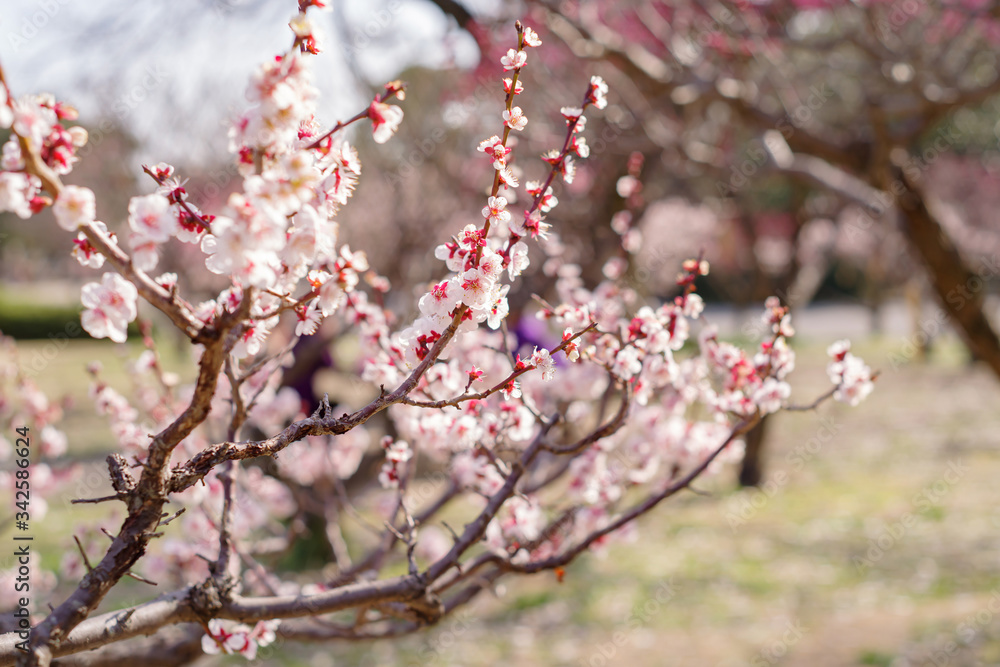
[{"x": 955, "y": 285}]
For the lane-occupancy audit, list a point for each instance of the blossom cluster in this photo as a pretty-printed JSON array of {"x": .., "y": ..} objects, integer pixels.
[
  {"x": 628, "y": 394},
  {"x": 238, "y": 638},
  {"x": 852, "y": 377}
]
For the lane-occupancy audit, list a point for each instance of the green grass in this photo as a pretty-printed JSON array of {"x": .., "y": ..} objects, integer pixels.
[{"x": 876, "y": 658}]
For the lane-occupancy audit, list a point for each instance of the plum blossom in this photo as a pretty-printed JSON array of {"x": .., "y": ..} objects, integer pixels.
[
  {"x": 531, "y": 37},
  {"x": 74, "y": 207},
  {"x": 515, "y": 119},
  {"x": 476, "y": 288},
  {"x": 596, "y": 95},
  {"x": 110, "y": 305},
  {"x": 229, "y": 638},
  {"x": 518, "y": 259},
  {"x": 771, "y": 395},
  {"x": 508, "y": 177},
  {"x": 471, "y": 470},
  {"x": 309, "y": 319},
  {"x": 544, "y": 363},
  {"x": 499, "y": 308},
  {"x": 509, "y": 84},
  {"x": 852, "y": 376},
  {"x": 546, "y": 201},
  {"x": 16, "y": 193},
  {"x": 627, "y": 363},
  {"x": 385, "y": 120},
  {"x": 513, "y": 60},
  {"x": 329, "y": 292},
  {"x": 252, "y": 339},
  {"x": 496, "y": 211},
  {"x": 284, "y": 94},
  {"x": 87, "y": 254},
  {"x": 153, "y": 222},
  {"x": 279, "y": 236},
  {"x": 441, "y": 300},
  {"x": 32, "y": 121},
  {"x": 491, "y": 263},
  {"x": 495, "y": 149},
  {"x": 397, "y": 452}
]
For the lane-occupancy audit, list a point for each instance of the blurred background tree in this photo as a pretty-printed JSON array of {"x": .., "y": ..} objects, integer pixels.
[{"x": 814, "y": 149}]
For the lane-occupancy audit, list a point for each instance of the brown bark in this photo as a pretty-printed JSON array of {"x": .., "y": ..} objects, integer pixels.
[
  {"x": 958, "y": 289},
  {"x": 752, "y": 466}
]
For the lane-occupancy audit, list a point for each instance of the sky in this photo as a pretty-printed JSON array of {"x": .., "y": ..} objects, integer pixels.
[{"x": 174, "y": 71}]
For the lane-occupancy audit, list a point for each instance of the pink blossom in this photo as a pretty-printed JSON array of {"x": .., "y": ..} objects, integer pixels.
[
  {"x": 852, "y": 376},
  {"x": 546, "y": 201},
  {"x": 151, "y": 217},
  {"x": 496, "y": 211},
  {"x": 508, "y": 84},
  {"x": 309, "y": 318},
  {"x": 32, "y": 121},
  {"x": 499, "y": 308},
  {"x": 252, "y": 338},
  {"x": 385, "y": 120},
  {"x": 110, "y": 305},
  {"x": 495, "y": 149},
  {"x": 476, "y": 472},
  {"x": 229, "y": 638},
  {"x": 476, "y": 288},
  {"x": 16, "y": 192},
  {"x": 596, "y": 95},
  {"x": 330, "y": 295},
  {"x": 513, "y": 60},
  {"x": 74, "y": 207},
  {"x": 771, "y": 395},
  {"x": 87, "y": 254},
  {"x": 518, "y": 259},
  {"x": 441, "y": 300},
  {"x": 571, "y": 113},
  {"x": 531, "y": 37},
  {"x": 491, "y": 263},
  {"x": 397, "y": 452},
  {"x": 508, "y": 178},
  {"x": 626, "y": 363},
  {"x": 515, "y": 119},
  {"x": 544, "y": 363}
]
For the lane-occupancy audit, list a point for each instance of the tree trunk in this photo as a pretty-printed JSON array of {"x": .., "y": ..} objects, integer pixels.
[
  {"x": 958, "y": 289},
  {"x": 752, "y": 467}
]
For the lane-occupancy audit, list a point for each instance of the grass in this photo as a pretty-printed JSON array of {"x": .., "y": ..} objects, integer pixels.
[{"x": 783, "y": 588}]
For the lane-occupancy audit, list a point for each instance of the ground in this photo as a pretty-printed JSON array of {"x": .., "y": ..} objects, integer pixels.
[{"x": 874, "y": 540}]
